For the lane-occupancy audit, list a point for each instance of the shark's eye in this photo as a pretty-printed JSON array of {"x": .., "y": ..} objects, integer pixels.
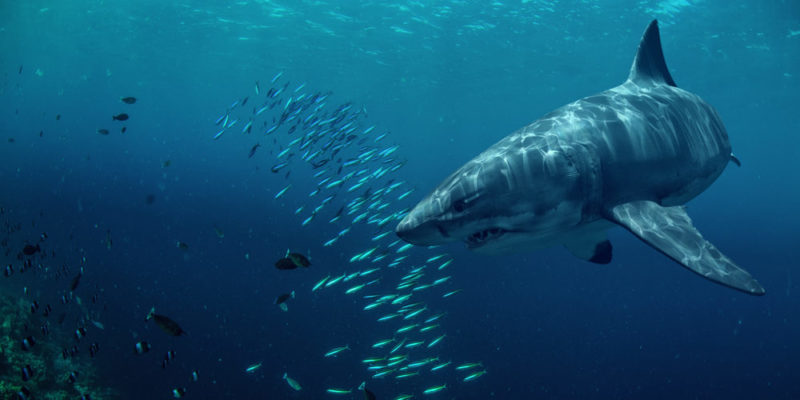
[{"x": 459, "y": 205}]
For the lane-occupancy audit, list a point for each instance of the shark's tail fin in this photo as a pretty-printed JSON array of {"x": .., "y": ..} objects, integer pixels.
[{"x": 649, "y": 66}]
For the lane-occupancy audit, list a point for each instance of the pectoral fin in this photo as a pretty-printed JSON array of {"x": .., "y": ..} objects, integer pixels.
[{"x": 670, "y": 231}]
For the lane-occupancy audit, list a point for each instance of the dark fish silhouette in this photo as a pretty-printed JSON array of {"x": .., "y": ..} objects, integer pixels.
[
  {"x": 23, "y": 392},
  {"x": 128, "y": 100},
  {"x": 165, "y": 323},
  {"x": 285, "y": 263},
  {"x": 292, "y": 261},
  {"x": 168, "y": 358},
  {"x": 299, "y": 259},
  {"x": 253, "y": 150},
  {"x": 120, "y": 117},
  {"x": 29, "y": 250},
  {"x": 75, "y": 281},
  {"x": 283, "y": 297},
  {"x": 102, "y": 131},
  {"x": 27, "y": 372},
  {"x": 141, "y": 347},
  {"x": 28, "y": 342}
]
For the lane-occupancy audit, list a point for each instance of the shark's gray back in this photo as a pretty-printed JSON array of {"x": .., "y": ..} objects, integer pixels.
[{"x": 633, "y": 131}]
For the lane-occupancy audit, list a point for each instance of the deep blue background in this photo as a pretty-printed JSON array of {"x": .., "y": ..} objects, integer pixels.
[{"x": 447, "y": 79}]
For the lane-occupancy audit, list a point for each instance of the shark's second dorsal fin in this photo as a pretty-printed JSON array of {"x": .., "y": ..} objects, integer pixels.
[{"x": 649, "y": 66}]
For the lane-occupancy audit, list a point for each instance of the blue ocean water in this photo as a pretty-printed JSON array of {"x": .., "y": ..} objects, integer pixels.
[{"x": 443, "y": 80}]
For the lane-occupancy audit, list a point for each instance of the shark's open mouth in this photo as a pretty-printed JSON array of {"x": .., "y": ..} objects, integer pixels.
[{"x": 480, "y": 238}]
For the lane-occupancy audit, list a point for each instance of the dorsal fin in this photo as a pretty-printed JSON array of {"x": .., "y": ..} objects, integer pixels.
[{"x": 649, "y": 66}]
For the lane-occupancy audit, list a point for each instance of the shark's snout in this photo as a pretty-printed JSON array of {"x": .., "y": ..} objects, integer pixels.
[{"x": 420, "y": 232}]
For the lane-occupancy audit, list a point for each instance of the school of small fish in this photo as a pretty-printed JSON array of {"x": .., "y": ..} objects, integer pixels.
[{"x": 356, "y": 188}]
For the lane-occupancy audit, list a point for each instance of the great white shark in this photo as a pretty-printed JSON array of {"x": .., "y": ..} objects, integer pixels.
[{"x": 631, "y": 156}]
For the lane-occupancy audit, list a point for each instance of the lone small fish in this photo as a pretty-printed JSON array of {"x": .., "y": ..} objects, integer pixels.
[
  {"x": 120, "y": 117},
  {"x": 178, "y": 392},
  {"x": 30, "y": 250},
  {"x": 141, "y": 347},
  {"x": 253, "y": 150},
  {"x": 128, "y": 100},
  {"x": 293, "y": 383},
  {"x": 165, "y": 323},
  {"x": 281, "y": 300},
  {"x": 75, "y": 281},
  {"x": 252, "y": 368}
]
